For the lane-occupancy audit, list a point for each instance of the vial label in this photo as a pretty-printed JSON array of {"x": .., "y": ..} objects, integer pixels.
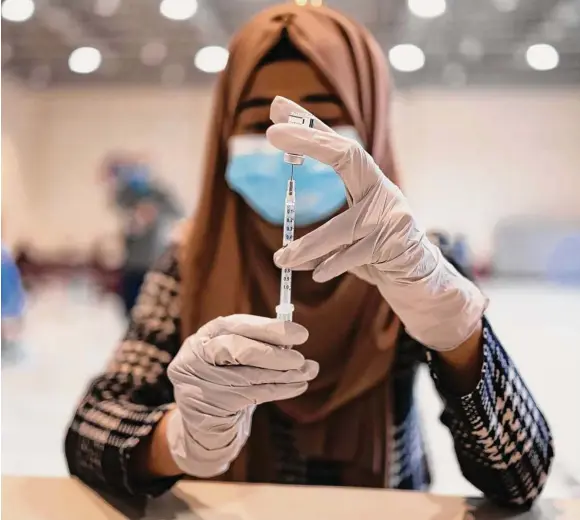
[{"x": 301, "y": 119}]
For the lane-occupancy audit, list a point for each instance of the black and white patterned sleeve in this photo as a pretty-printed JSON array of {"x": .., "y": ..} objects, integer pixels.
[
  {"x": 122, "y": 406},
  {"x": 502, "y": 440}
]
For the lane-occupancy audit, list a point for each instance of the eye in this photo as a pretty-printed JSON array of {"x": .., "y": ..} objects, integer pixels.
[{"x": 333, "y": 121}]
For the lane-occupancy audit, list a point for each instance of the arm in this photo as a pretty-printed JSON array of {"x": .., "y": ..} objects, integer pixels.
[
  {"x": 502, "y": 441},
  {"x": 460, "y": 367},
  {"x": 109, "y": 441},
  {"x": 155, "y": 459}
]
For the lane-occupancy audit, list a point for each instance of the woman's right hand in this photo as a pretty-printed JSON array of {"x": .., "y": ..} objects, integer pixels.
[{"x": 219, "y": 376}]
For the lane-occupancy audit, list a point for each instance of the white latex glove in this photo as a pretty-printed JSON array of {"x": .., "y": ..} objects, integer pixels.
[
  {"x": 377, "y": 239},
  {"x": 219, "y": 376}
]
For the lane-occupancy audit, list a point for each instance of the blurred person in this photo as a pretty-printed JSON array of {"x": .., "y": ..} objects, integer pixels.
[
  {"x": 149, "y": 213},
  {"x": 13, "y": 298},
  {"x": 30, "y": 269},
  {"x": 455, "y": 249},
  {"x": 201, "y": 388}
]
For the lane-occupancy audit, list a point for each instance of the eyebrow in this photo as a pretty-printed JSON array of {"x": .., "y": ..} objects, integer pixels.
[
  {"x": 321, "y": 98},
  {"x": 254, "y": 103},
  {"x": 258, "y": 102}
]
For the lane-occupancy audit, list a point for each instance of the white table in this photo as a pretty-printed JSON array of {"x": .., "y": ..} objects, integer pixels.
[{"x": 28, "y": 498}]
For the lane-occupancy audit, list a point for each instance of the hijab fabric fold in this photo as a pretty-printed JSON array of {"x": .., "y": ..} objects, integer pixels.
[{"x": 227, "y": 268}]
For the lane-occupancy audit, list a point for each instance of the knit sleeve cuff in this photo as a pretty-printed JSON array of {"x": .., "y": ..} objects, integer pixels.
[
  {"x": 492, "y": 355},
  {"x": 119, "y": 457}
]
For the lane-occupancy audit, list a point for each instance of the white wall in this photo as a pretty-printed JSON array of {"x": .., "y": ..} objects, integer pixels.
[
  {"x": 19, "y": 140},
  {"x": 469, "y": 158},
  {"x": 78, "y": 128},
  {"x": 474, "y": 158}
]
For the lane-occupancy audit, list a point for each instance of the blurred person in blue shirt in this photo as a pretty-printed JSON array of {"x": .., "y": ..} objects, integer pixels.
[
  {"x": 12, "y": 301},
  {"x": 149, "y": 212}
]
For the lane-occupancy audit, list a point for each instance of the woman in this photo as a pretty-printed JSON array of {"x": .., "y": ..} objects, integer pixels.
[{"x": 336, "y": 409}]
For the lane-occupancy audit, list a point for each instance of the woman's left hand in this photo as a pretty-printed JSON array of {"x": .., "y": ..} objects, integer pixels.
[{"x": 377, "y": 239}]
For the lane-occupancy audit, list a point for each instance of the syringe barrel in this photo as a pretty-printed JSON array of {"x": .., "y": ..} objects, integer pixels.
[
  {"x": 285, "y": 309},
  {"x": 289, "y": 217},
  {"x": 286, "y": 286}
]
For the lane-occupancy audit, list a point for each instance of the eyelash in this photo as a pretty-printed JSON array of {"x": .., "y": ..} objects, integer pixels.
[{"x": 259, "y": 127}]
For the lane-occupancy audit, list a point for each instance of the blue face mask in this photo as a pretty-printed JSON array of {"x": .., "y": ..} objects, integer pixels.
[{"x": 257, "y": 171}]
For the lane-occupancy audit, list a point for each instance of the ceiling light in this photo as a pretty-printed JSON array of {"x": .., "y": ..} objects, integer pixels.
[
  {"x": 407, "y": 57},
  {"x": 17, "y": 10},
  {"x": 85, "y": 60},
  {"x": 153, "y": 53},
  {"x": 178, "y": 9},
  {"x": 106, "y": 7},
  {"x": 211, "y": 59},
  {"x": 427, "y": 8},
  {"x": 542, "y": 56}
]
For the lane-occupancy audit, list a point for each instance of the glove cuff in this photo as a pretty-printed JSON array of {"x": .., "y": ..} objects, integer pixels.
[
  {"x": 439, "y": 308},
  {"x": 190, "y": 454}
]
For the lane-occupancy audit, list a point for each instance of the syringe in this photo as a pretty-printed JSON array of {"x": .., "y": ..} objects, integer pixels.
[{"x": 285, "y": 308}]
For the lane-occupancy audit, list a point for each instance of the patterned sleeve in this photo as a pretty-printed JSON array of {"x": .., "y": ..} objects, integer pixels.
[
  {"x": 503, "y": 443},
  {"x": 122, "y": 406}
]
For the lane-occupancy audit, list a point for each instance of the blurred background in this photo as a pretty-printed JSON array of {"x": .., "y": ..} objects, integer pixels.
[{"x": 486, "y": 124}]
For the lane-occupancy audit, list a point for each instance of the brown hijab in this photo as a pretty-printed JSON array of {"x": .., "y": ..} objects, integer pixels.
[{"x": 227, "y": 265}]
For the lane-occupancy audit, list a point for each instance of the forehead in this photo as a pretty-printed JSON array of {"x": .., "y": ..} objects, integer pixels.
[{"x": 291, "y": 79}]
